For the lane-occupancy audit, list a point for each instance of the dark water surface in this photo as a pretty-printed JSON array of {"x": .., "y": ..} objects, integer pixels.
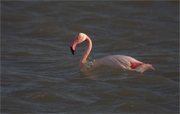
[{"x": 39, "y": 73}]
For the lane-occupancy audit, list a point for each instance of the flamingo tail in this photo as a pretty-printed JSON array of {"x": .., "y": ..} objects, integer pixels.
[{"x": 140, "y": 67}]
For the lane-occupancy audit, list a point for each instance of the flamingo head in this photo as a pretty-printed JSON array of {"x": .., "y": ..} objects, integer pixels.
[{"x": 79, "y": 38}]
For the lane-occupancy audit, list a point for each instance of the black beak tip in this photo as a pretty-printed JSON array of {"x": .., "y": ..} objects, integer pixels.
[{"x": 72, "y": 50}]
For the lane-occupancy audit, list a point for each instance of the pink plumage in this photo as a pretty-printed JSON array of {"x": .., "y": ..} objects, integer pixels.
[{"x": 121, "y": 61}]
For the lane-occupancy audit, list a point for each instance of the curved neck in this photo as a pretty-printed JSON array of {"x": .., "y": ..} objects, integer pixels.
[{"x": 86, "y": 53}]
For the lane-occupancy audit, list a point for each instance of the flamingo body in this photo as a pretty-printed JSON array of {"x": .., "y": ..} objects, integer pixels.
[{"x": 121, "y": 61}]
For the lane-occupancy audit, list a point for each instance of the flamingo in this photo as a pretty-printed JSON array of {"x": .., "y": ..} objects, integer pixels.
[{"x": 122, "y": 61}]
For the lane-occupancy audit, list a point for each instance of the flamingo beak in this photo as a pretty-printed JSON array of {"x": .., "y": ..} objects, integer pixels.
[
  {"x": 72, "y": 50},
  {"x": 73, "y": 45}
]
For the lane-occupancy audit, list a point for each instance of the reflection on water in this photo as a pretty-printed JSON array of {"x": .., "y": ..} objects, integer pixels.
[{"x": 39, "y": 73}]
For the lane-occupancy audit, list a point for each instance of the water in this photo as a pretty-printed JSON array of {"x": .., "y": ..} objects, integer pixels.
[{"x": 39, "y": 73}]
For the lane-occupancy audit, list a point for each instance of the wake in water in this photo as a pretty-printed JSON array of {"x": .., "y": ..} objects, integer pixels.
[{"x": 88, "y": 66}]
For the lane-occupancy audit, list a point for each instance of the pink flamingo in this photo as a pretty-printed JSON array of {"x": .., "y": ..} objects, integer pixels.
[{"x": 122, "y": 61}]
